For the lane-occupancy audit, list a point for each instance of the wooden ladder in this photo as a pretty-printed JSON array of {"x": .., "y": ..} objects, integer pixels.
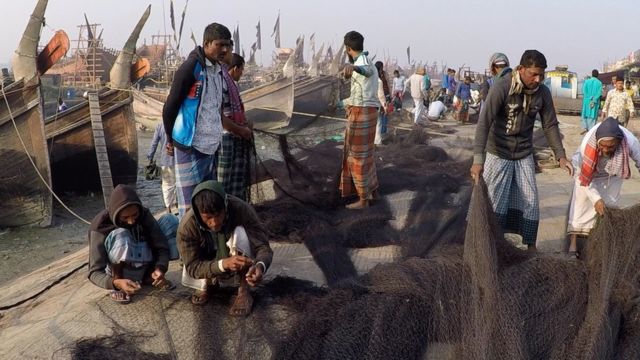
[{"x": 100, "y": 145}]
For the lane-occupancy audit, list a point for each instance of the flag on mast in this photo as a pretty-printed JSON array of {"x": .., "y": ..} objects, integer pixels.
[
  {"x": 276, "y": 31},
  {"x": 259, "y": 37}
]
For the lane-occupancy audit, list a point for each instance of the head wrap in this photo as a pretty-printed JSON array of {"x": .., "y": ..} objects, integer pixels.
[
  {"x": 498, "y": 59},
  {"x": 609, "y": 129}
]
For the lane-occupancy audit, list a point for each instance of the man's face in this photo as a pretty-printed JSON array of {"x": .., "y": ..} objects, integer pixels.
[
  {"x": 396, "y": 74},
  {"x": 217, "y": 50},
  {"x": 467, "y": 81},
  {"x": 236, "y": 73},
  {"x": 531, "y": 77},
  {"x": 129, "y": 215},
  {"x": 214, "y": 221},
  {"x": 608, "y": 147},
  {"x": 619, "y": 85}
]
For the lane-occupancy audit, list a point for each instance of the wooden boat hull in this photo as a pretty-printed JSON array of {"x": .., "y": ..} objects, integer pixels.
[
  {"x": 148, "y": 110},
  {"x": 24, "y": 196},
  {"x": 74, "y": 164}
]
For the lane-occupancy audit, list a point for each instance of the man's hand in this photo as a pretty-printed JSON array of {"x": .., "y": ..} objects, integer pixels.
[
  {"x": 244, "y": 132},
  {"x": 599, "y": 206},
  {"x": 566, "y": 164},
  {"x": 169, "y": 148},
  {"x": 130, "y": 287},
  {"x": 254, "y": 275},
  {"x": 476, "y": 172},
  {"x": 348, "y": 71},
  {"x": 158, "y": 277},
  {"x": 236, "y": 263}
]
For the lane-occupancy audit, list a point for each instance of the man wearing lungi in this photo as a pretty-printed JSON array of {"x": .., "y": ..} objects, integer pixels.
[
  {"x": 505, "y": 133},
  {"x": 359, "y": 175},
  {"x": 234, "y": 155},
  {"x": 127, "y": 246},
  {"x": 602, "y": 162},
  {"x": 192, "y": 114},
  {"x": 222, "y": 242}
]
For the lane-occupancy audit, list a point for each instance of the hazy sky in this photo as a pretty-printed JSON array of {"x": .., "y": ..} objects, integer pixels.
[{"x": 579, "y": 33}]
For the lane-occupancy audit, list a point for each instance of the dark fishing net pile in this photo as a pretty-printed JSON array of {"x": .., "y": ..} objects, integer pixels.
[{"x": 460, "y": 290}]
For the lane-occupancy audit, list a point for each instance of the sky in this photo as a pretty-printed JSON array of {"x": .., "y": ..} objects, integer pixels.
[{"x": 579, "y": 33}]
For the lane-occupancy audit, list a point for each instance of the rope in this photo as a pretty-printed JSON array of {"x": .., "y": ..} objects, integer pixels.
[{"x": 45, "y": 182}]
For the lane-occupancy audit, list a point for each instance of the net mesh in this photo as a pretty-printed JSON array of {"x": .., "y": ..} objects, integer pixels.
[{"x": 460, "y": 290}]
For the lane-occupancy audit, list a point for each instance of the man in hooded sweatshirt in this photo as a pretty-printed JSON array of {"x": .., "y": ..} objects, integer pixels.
[
  {"x": 222, "y": 241},
  {"x": 127, "y": 246},
  {"x": 192, "y": 114}
]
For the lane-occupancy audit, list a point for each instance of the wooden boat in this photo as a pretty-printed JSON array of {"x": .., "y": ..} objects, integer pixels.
[
  {"x": 148, "y": 109},
  {"x": 24, "y": 158},
  {"x": 70, "y": 138},
  {"x": 74, "y": 163}
]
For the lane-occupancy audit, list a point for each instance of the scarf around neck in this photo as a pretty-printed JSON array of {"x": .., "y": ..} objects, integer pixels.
[
  {"x": 237, "y": 107},
  {"x": 518, "y": 88}
]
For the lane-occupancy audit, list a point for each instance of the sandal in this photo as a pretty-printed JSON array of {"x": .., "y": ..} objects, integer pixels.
[
  {"x": 120, "y": 297},
  {"x": 199, "y": 297}
]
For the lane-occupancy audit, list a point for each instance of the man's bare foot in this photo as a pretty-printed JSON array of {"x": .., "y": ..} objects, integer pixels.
[
  {"x": 242, "y": 304},
  {"x": 199, "y": 297},
  {"x": 360, "y": 204},
  {"x": 120, "y": 297}
]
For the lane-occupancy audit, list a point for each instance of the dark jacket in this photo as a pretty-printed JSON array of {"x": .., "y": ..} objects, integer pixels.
[
  {"x": 146, "y": 228},
  {"x": 500, "y": 108},
  {"x": 201, "y": 248},
  {"x": 184, "y": 84}
]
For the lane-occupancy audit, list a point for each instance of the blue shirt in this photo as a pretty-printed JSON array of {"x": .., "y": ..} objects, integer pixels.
[
  {"x": 463, "y": 92},
  {"x": 160, "y": 138}
]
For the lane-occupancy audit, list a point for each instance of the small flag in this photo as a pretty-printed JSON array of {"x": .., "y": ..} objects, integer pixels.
[
  {"x": 259, "y": 36},
  {"x": 276, "y": 31}
]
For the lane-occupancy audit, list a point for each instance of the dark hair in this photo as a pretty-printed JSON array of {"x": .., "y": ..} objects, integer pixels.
[
  {"x": 236, "y": 61},
  {"x": 208, "y": 201},
  {"x": 595, "y": 73},
  {"x": 379, "y": 65},
  {"x": 396, "y": 72},
  {"x": 533, "y": 58},
  {"x": 354, "y": 40},
  {"x": 215, "y": 31}
]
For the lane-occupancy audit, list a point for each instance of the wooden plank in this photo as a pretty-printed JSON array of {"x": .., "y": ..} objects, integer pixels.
[{"x": 104, "y": 168}]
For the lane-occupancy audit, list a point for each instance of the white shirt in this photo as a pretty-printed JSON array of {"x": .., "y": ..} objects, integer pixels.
[
  {"x": 436, "y": 109},
  {"x": 416, "y": 84},
  {"x": 364, "y": 87},
  {"x": 398, "y": 83},
  {"x": 576, "y": 160}
]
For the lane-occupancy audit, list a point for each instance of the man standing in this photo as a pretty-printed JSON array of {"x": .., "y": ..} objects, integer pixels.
[
  {"x": 463, "y": 93},
  {"x": 415, "y": 84},
  {"x": 192, "y": 114},
  {"x": 499, "y": 65},
  {"x": 603, "y": 162},
  {"x": 505, "y": 133},
  {"x": 221, "y": 240},
  {"x": 426, "y": 90},
  {"x": 234, "y": 155},
  {"x": 591, "y": 92},
  {"x": 359, "y": 175},
  {"x": 618, "y": 104},
  {"x": 398, "y": 89},
  {"x": 383, "y": 96},
  {"x": 166, "y": 165}
]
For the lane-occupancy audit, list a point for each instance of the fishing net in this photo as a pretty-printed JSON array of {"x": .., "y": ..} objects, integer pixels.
[{"x": 459, "y": 291}]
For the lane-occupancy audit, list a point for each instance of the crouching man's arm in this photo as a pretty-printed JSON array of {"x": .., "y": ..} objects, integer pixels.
[{"x": 259, "y": 240}]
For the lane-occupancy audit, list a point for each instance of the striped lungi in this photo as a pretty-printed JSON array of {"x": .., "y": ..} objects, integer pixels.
[
  {"x": 358, "y": 163},
  {"x": 234, "y": 161},
  {"x": 192, "y": 168},
  {"x": 514, "y": 194}
]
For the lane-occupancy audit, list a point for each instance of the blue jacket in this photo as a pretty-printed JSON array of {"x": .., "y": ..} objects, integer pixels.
[{"x": 180, "y": 111}]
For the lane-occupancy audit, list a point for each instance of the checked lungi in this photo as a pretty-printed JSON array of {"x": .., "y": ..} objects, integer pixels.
[
  {"x": 192, "y": 168},
  {"x": 514, "y": 195},
  {"x": 358, "y": 163},
  {"x": 234, "y": 161}
]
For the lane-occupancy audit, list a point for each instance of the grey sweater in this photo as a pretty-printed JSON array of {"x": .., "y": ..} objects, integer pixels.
[{"x": 506, "y": 131}]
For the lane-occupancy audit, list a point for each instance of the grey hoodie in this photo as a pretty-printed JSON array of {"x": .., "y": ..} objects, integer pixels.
[{"x": 146, "y": 228}]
